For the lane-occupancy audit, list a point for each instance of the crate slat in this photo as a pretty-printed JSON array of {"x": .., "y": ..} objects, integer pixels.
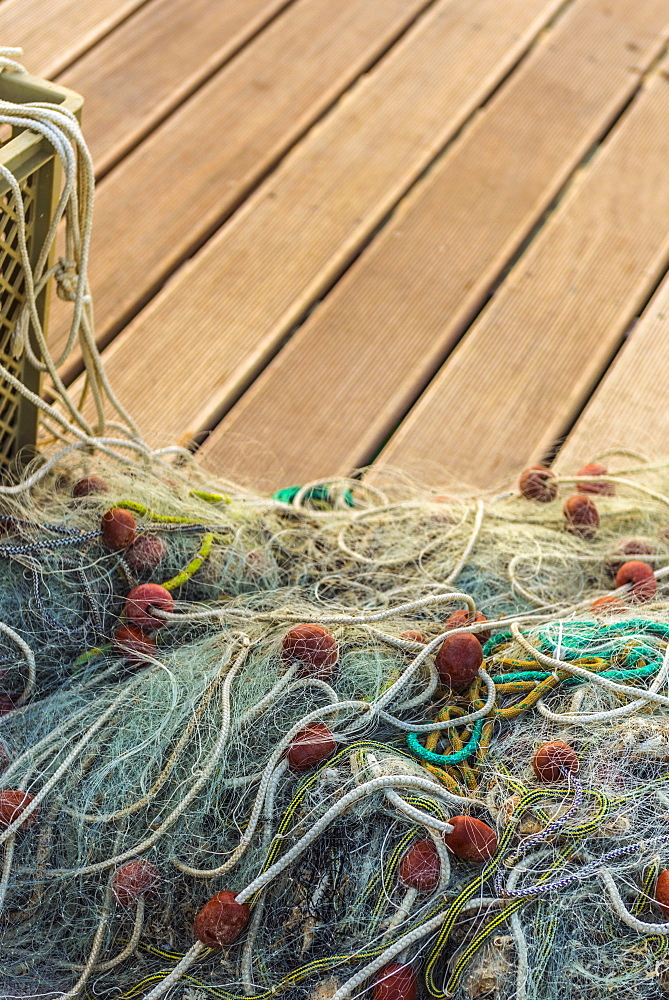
[{"x": 32, "y": 161}]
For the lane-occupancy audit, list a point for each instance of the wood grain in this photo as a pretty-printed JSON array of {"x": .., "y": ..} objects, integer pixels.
[
  {"x": 629, "y": 408},
  {"x": 346, "y": 378},
  {"x": 138, "y": 74},
  {"x": 194, "y": 170},
  {"x": 525, "y": 368},
  {"x": 215, "y": 324},
  {"x": 53, "y": 33}
]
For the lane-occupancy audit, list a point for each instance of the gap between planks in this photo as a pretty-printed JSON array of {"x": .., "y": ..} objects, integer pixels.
[
  {"x": 219, "y": 319},
  {"x": 629, "y": 408},
  {"x": 194, "y": 170},
  {"x": 53, "y": 33},
  {"x": 351, "y": 372},
  {"x": 541, "y": 344},
  {"x": 150, "y": 64}
]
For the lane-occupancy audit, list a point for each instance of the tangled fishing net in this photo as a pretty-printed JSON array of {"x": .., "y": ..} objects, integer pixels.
[{"x": 356, "y": 737}]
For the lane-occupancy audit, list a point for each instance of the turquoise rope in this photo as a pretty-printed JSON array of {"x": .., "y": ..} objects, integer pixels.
[
  {"x": 577, "y": 636},
  {"x": 599, "y": 632},
  {"x": 616, "y": 675},
  {"x": 472, "y": 746},
  {"x": 498, "y": 639},
  {"x": 288, "y": 494}
]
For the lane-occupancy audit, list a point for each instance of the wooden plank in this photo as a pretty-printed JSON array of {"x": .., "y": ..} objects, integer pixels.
[
  {"x": 379, "y": 336},
  {"x": 524, "y": 369},
  {"x": 194, "y": 170},
  {"x": 629, "y": 408},
  {"x": 153, "y": 61},
  {"x": 218, "y": 320},
  {"x": 53, "y": 33}
]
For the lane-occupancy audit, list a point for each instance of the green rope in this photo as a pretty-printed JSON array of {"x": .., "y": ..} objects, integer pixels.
[
  {"x": 470, "y": 748},
  {"x": 617, "y": 675},
  {"x": 210, "y": 497},
  {"x": 316, "y": 493},
  {"x": 193, "y": 566},
  {"x": 578, "y": 635}
]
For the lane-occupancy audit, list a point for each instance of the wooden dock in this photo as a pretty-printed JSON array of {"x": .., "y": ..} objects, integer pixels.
[{"x": 328, "y": 233}]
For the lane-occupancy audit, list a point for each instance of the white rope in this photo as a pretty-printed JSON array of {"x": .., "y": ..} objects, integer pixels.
[
  {"x": 389, "y": 954},
  {"x": 614, "y": 713},
  {"x": 195, "y": 788},
  {"x": 60, "y": 128},
  {"x": 522, "y": 953},
  {"x": 28, "y": 656},
  {"x": 176, "y": 973},
  {"x": 7, "y": 60},
  {"x": 616, "y": 901},
  {"x": 338, "y": 619},
  {"x": 478, "y": 521},
  {"x": 417, "y": 815},
  {"x": 27, "y": 812},
  {"x": 388, "y": 781},
  {"x": 572, "y": 668},
  {"x": 460, "y": 720}
]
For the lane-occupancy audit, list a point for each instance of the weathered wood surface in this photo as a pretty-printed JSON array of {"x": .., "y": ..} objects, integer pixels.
[
  {"x": 420, "y": 232},
  {"x": 380, "y": 335},
  {"x": 552, "y": 328},
  {"x": 195, "y": 169},
  {"x": 135, "y": 76},
  {"x": 53, "y": 33},
  {"x": 630, "y": 409},
  {"x": 228, "y": 310}
]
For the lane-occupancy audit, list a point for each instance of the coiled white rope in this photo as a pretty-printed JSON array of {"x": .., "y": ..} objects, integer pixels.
[{"x": 59, "y": 127}]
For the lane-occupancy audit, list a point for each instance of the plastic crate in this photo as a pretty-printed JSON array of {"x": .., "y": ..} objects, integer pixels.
[{"x": 32, "y": 161}]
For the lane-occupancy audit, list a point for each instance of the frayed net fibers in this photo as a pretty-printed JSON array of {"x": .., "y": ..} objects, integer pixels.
[{"x": 186, "y": 759}]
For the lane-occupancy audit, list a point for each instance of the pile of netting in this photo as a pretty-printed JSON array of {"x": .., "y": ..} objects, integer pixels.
[
  {"x": 350, "y": 738},
  {"x": 359, "y": 737}
]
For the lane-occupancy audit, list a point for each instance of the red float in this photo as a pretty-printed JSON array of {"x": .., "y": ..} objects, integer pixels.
[
  {"x": 146, "y": 553},
  {"x": 538, "y": 483},
  {"x": 135, "y": 879},
  {"x": 7, "y": 704},
  {"x": 221, "y": 920},
  {"x": 662, "y": 891},
  {"x": 310, "y": 747},
  {"x": 595, "y": 469},
  {"x": 395, "y": 982},
  {"x": 642, "y": 578},
  {"x": 118, "y": 528},
  {"x": 471, "y": 839},
  {"x": 462, "y": 618},
  {"x": 628, "y": 547},
  {"x": 551, "y": 760},
  {"x": 608, "y": 605},
  {"x": 411, "y": 636},
  {"x": 458, "y": 660},
  {"x": 89, "y": 485},
  {"x": 312, "y": 648},
  {"x": 581, "y": 515},
  {"x": 133, "y": 645},
  {"x": 420, "y": 867},
  {"x": 141, "y": 599},
  {"x": 12, "y": 803}
]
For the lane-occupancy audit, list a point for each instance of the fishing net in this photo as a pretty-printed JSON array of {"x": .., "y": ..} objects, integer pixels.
[{"x": 360, "y": 736}]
